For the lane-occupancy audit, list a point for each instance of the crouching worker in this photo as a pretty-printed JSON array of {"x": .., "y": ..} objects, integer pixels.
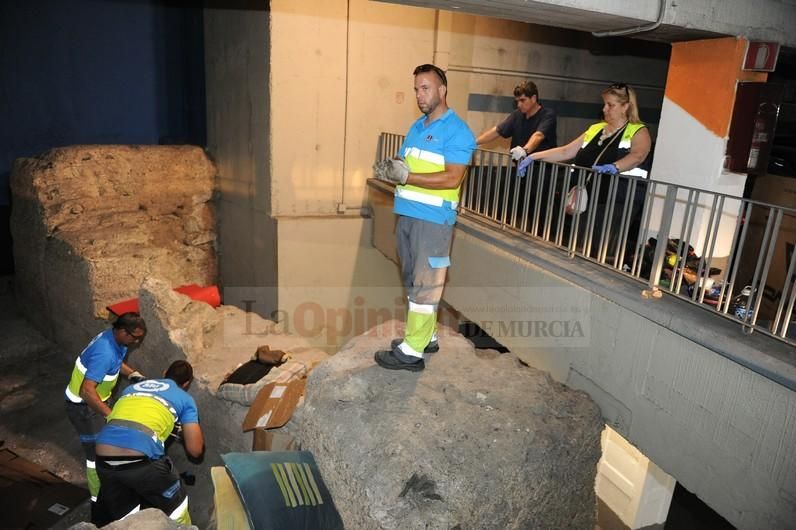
[{"x": 133, "y": 468}]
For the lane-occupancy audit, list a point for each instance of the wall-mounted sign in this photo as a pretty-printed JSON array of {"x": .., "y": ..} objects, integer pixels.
[{"x": 761, "y": 56}]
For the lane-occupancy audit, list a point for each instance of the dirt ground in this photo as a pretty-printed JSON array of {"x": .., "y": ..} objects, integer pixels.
[{"x": 33, "y": 375}]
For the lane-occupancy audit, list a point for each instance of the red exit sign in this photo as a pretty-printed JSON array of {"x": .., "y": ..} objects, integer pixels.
[{"x": 761, "y": 56}]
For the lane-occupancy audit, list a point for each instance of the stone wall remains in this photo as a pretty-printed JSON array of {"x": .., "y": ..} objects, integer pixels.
[{"x": 91, "y": 222}]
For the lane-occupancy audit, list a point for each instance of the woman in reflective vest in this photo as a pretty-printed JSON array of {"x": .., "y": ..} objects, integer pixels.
[{"x": 618, "y": 145}]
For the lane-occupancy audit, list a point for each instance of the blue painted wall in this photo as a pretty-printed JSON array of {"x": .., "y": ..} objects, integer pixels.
[{"x": 96, "y": 71}]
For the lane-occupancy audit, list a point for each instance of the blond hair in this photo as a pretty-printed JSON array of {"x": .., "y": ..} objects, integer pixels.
[{"x": 625, "y": 94}]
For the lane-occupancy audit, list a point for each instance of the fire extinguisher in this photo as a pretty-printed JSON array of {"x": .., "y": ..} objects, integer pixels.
[{"x": 759, "y": 138}]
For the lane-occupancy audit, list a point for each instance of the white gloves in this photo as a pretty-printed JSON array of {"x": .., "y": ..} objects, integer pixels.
[
  {"x": 518, "y": 153},
  {"x": 136, "y": 377},
  {"x": 391, "y": 170}
]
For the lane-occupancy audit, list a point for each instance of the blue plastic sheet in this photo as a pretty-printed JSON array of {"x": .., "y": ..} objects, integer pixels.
[{"x": 282, "y": 490}]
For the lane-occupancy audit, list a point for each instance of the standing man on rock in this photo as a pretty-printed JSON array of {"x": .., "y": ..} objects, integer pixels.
[
  {"x": 94, "y": 377},
  {"x": 531, "y": 126},
  {"x": 428, "y": 177}
]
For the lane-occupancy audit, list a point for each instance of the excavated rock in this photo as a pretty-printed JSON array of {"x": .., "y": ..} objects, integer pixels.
[
  {"x": 149, "y": 519},
  {"x": 477, "y": 440},
  {"x": 91, "y": 222}
]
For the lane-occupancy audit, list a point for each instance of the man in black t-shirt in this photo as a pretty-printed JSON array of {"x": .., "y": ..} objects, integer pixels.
[{"x": 531, "y": 126}]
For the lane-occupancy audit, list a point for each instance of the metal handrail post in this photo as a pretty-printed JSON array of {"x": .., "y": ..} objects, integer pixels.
[{"x": 663, "y": 238}]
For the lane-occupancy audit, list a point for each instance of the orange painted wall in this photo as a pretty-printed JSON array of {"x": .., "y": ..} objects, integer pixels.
[{"x": 702, "y": 79}]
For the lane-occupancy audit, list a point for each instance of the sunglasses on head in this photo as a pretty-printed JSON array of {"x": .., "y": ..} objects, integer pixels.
[
  {"x": 423, "y": 68},
  {"x": 620, "y": 86}
]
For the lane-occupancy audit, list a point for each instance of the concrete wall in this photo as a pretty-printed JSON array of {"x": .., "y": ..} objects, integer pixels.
[
  {"x": 336, "y": 83},
  {"x": 337, "y": 285},
  {"x": 340, "y": 74},
  {"x": 238, "y": 120},
  {"x": 297, "y": 96},
  {"x": 489, "y": 57},
  {"x": 725, "y": 432}
]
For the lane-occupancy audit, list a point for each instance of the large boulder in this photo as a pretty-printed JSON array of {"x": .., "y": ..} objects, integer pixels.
[
  {"x": 477, "y": 440},
  {"x": 90, "y": 222}
]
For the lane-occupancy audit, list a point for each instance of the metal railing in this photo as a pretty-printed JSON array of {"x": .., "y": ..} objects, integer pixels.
[{"x": 732, "y": 256}]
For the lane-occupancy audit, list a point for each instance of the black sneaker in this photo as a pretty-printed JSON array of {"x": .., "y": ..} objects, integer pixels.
[
  {"x": 433, "y": 346},
  {"x": 387, "y": 359}
]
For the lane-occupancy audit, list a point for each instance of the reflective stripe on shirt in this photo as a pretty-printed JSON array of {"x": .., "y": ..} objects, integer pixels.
[{"x": 424, "y": 198}]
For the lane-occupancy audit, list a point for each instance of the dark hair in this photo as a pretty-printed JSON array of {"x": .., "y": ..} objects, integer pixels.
[
  {"x": 130, "y": 322},
  {"x": 423, "y": 68},
  {"x": 180, "y": 372},
  {"x": 526, "y": 88}
]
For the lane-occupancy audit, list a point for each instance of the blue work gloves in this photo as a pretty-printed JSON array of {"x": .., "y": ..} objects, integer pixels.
[
  {"x": 518, "y": 153},
  {"x": 608, "y": 169},
  {"x": 391, "y": 170},
  {"x": 524, "y": 166}
]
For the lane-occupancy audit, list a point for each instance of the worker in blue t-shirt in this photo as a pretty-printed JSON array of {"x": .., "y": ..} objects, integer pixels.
[
  {"x": 94, "y": 376},
  {"x": 428, "y": 178},
  {"x": 133, "y": 468}
]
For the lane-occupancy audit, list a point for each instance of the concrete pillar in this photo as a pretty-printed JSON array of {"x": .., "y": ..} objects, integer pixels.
[
  {"x": 631, "y": 485},
  {"x": 695, "y": 121},
  {"x": 442, "y": 38}
]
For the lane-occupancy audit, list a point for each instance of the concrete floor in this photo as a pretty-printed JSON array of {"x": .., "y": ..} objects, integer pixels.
[{"x": 33, "y": 374}]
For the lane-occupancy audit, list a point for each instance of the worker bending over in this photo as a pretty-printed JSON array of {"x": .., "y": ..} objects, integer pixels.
[{"x": 133, "y": 468}]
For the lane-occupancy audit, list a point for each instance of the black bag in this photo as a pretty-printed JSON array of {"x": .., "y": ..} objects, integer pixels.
[{"x": 248, "y": 373}]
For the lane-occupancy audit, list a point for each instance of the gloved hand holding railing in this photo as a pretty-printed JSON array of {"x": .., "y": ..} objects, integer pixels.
[
  {"x": 524, "y": 166},
  {"x": 518, "y": 153},
  {"x": 608, "y": 169}
]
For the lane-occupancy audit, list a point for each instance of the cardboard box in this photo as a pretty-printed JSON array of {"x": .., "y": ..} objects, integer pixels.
[
  {"x": 271, "y": 440},
  {"x": 274, "y": 405},
  {"x": 32, "y": 497},
  {"x": 775, "y": 189}
]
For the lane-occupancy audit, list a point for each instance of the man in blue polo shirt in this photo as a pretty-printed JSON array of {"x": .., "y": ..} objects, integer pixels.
[
  {"x": 131, "y": 460},
  {"x": 428, "y": 177},
  {"x": 94, "y": 376}
]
